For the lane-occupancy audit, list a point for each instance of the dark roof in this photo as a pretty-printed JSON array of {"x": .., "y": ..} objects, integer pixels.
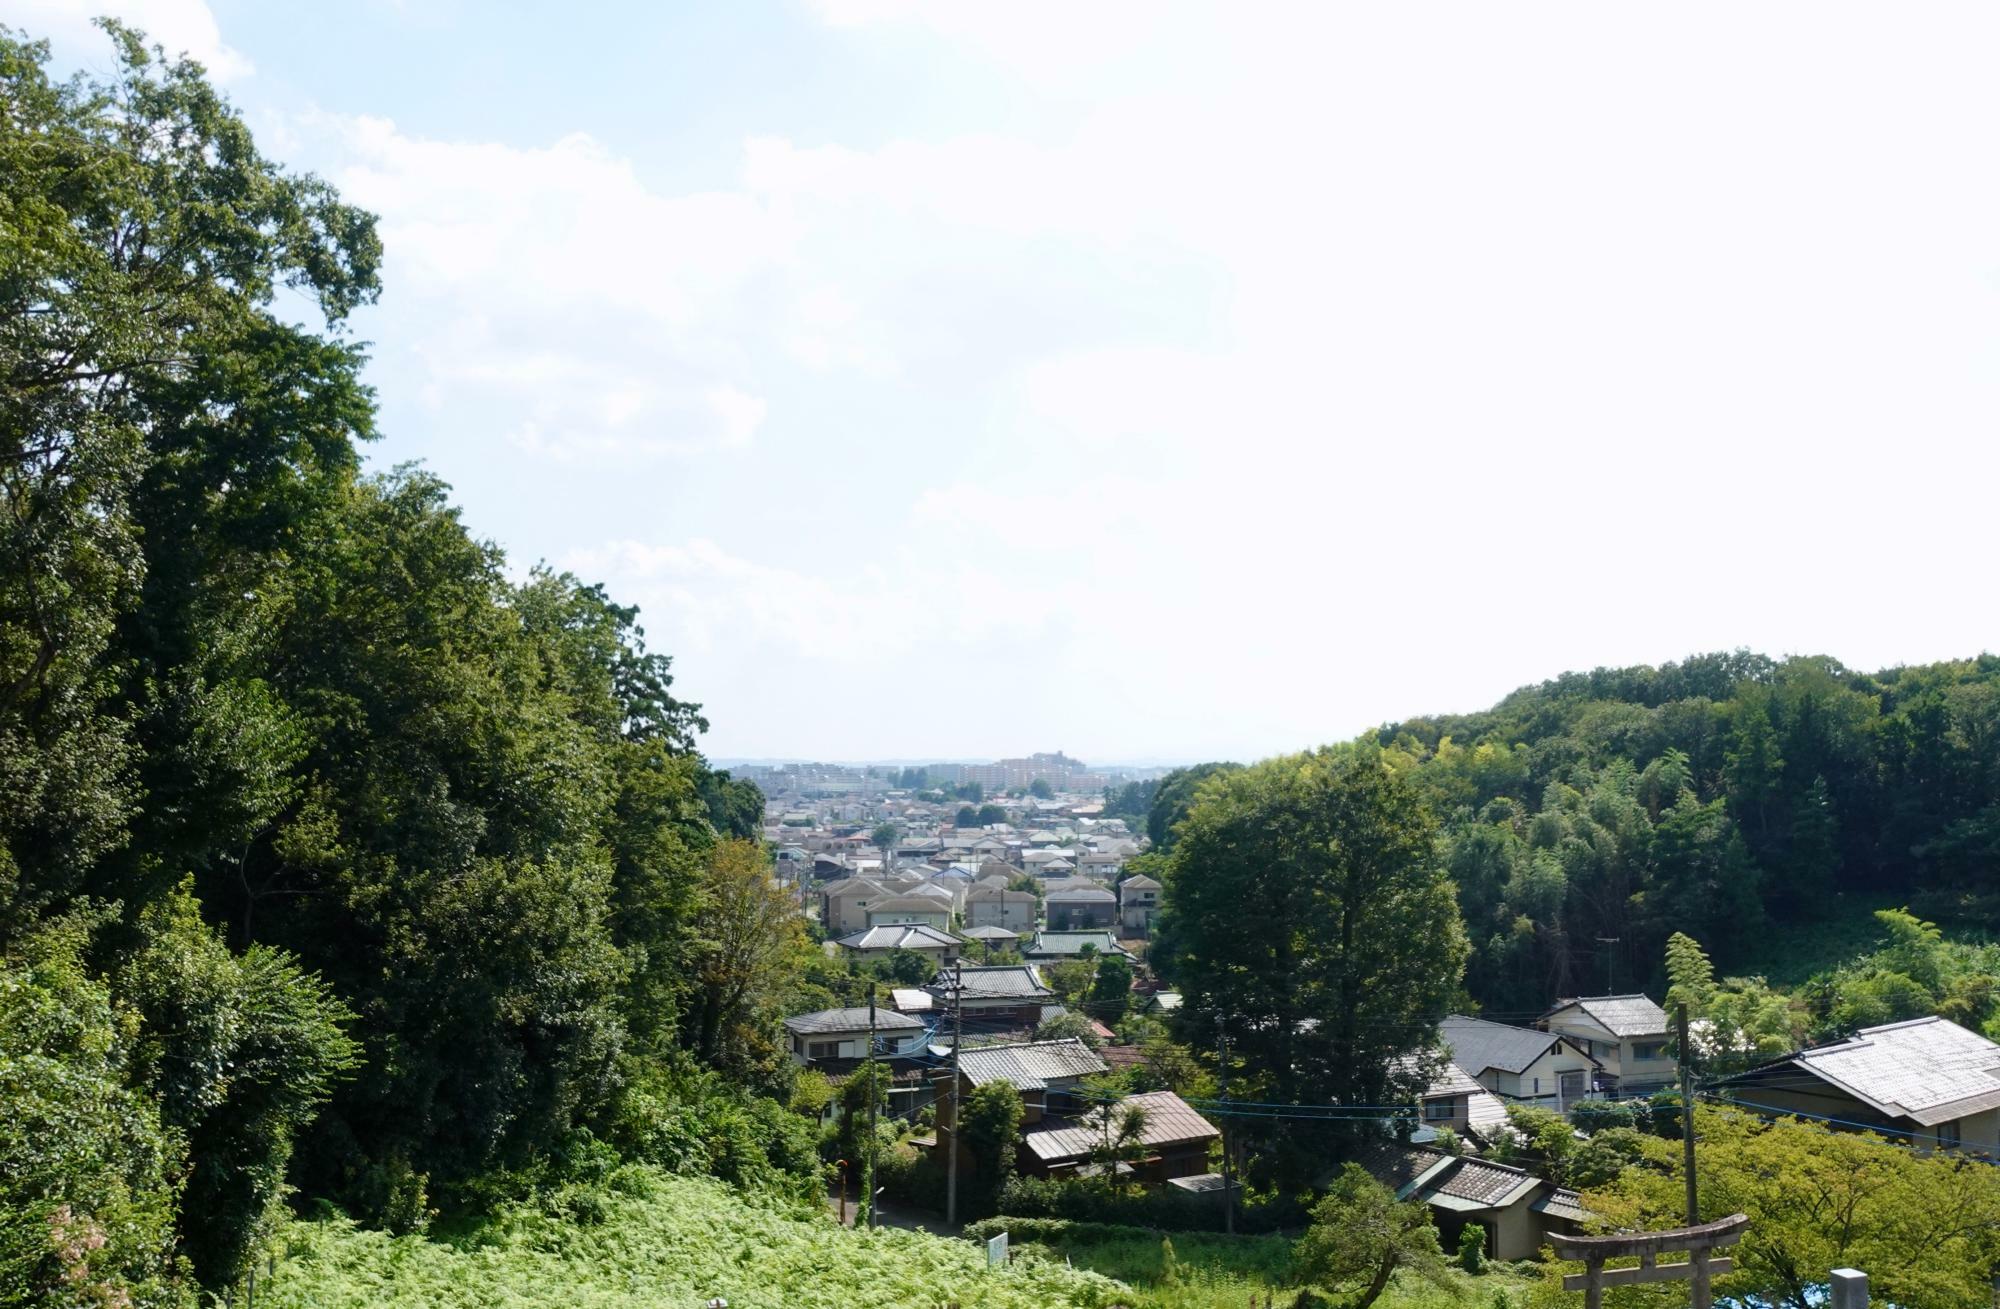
[
  {"x": 1168, "y": 1121},
  {"x": 851, "y": 1020},
  {"x": 1072, "y": 943},
  {"x": 1477, "y": 1045},
  {"x": 993, "y": 982},
  {"x": 1083, "y": 894},
  {"x": 1029, "y": 1066},
  {"x": 911, "y": 904},
  {"x": 1620, "y": 1015},
  {"x": 1450, "y": 1182}
]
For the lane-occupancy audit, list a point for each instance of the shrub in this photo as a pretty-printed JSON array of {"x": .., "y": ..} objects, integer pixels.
[
  {"x": 1472, "y": 1248},
  {"x": 1590, "y": 1116},
  {"x": 1163, "y": 1210}
]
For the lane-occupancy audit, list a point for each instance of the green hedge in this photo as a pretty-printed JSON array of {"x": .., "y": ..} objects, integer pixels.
[{"x": 1165, "y": 1209}]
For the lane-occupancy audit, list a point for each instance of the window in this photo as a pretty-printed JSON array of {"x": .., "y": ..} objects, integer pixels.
[
  {"x": 824, "y": 1050},
  {"x": 1649, "y": 1050},
  {"x": 1947, "y": 1135},
  {"x": 1443, "y": 1109}
]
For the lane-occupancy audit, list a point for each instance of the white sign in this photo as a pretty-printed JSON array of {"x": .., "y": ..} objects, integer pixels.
[{"x": 996, "y": 1251}]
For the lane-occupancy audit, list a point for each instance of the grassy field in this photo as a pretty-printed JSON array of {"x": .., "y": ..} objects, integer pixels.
[
  {"x": 1219, "y": 1272},
  {"x": 651, "y": 1241}
]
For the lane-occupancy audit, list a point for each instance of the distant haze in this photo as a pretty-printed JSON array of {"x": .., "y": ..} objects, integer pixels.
[{"x": 1165, "y": 383}]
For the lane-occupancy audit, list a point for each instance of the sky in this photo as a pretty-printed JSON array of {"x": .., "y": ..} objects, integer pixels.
[{"x": 1162, "y": 382}]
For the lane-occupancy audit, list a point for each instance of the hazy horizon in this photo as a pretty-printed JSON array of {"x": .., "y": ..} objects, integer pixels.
[{"x": 1160, "y": 381}]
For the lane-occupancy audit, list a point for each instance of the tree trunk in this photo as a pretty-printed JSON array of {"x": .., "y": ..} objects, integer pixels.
[{"x": 1375, "y": 1288}]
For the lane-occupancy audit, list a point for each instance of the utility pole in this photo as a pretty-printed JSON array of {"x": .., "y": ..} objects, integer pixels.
[
  {"x": 957, "y": 1038},
  {"x": 868, "y": 1159},
  {"x": 1610, "y": 964},
  {"x": 1228, "y": 1172},
  {"x": 1687, "y": 1109}
]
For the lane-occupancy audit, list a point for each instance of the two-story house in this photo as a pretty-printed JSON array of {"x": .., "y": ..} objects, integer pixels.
[
  {"x": 1138, "y": 904},
  {"x": 1625, "y": 1034},
  {"x": 987, "y": 905},
  {"x": 1520, "y": 1063},
  {"x": 833, "y": 1034}
]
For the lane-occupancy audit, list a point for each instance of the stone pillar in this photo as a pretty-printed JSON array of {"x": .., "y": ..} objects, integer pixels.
[{"x": 1850, "y": 1289}]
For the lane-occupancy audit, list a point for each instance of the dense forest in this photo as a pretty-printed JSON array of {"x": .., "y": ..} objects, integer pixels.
[{"x": 329, "y": 856}]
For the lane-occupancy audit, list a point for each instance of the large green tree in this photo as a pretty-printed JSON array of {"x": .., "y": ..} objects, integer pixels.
[{"x": 1312, "y": 921}]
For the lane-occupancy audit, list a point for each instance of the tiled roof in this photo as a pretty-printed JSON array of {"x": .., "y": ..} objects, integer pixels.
[
  {"x": 1082, "y": 895},
  {"x": 988, "y": 893},
  {"x": 910, "y": 904},
  {"x": 850, "y": 1020},
  {"x": 1929, "y": 1070},
  {"x": 1561, "y": 1203},
  {"x": 1620, "y": 1015},
  {"x": 1139, "y": 882},
  {"x": 899, "y": 936},
  {"x": 1453, "y": 1182},
  {"x": 1452, "y": 1080},
  {"x": 1477, "y": 1045},
  {"x": 910, "y": 999},
  {"x": 1072, "y": 943},
  {"x": 1030, "y": 1066},
  {"x": 989, "y": 934},
  {"x": 993, "y": 982},
  {"x": 1169, "y": 1121}
]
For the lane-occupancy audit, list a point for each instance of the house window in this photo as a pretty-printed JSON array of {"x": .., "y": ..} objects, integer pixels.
[
  {"x": 1440, "y": 1110},
  {"x": 824, "y": 1050},
  {"x": 1650, "y": 1050},
  {"x": 1947, "y": 1135}
]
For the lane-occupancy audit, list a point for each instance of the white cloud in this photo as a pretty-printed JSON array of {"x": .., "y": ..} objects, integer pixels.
[{"x": 178, "y": 26}]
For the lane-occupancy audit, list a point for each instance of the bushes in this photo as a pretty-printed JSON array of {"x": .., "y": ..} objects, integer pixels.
[
  {"x": 1163, "y": 1209},
  {"x": 690, "y": 1121},
  {"x": 1591, "y": 1116}
]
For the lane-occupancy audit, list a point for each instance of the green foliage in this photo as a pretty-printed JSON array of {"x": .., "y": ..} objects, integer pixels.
[
  {"x": 1472, "y": 1248},
  {"x": 641, "y": 1238},
  {"x": 1173, "y": 796},
  {"x": 88, "y": 1173},
  {"x": 1041, "y": 790},
  {"x": 1308, "y": 887},
  {"x": 1926, "y": 1228},
  {"x": 1068, "y": 1024},
  {"x": 1160, "y": 1208},
  {"x": 1361, "y": 1236},
  {"x": 991, "y": 814},
  {"x": 990, "y": 1125},
  {"x": 241, "y": 1050},
  {"x": 1111, "y": 989}
]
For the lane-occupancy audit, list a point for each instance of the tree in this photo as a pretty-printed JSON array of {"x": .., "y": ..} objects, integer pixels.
[
  {"x": 1923, "y": 1226},
  {"x": 747, "y": 962},
  {"x": 1071, "y": 979},
  {"x": 1472, "y": 1248},
  {"x": 1111, "y": 989},
  {"x": 970, "y": 791},
  {"x": 1041, "y": 790},
  {"x": 990, "y": 815},
  {"x": 990, "y": 1126},
  {"x": 1066, "y": 1025},
  {"x": 1173, "y": 795},
  {"x": 967, "y": 817},
  {"x": 1361, "y": 1236},
  {"x": 884, "y": 837},
  {"x": 1309, "y": 888}
]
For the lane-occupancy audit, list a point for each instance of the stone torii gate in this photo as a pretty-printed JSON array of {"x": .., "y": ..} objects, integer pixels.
[{"x": 1700, "y": 1267}]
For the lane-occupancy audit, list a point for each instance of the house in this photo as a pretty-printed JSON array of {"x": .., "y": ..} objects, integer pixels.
[
  {"x": 1517, "y": 1209},
  {"x": 844, "y": 903},
  {"x": 993, "y": 938},
  {"x": 1099, "y": 864},
  {"x": 897, "y": 910},
  {"x": 1078, "y": 908},
  {"x": 1455, "y": 1099},
  {"x": 1927, "y": 1081},
  {"x": 1174, "y": 1140},
  {"x": 995, "y": 997},
  {"x": 1056, "y": 946},
  {"x": 912, "y": 1000},
  {"x": 1519, "y": 1063},
  {"x": 1044, "y": 1072},
  {"x": 996, "y": 906},
  {"x": 1626, "y": 1034},
  {"x": 1164, "y": 1002},
  {"x": 1138, "y": 903},
  {"x": 877, "y": 942},
  {"x": 829, "y": 1034}
]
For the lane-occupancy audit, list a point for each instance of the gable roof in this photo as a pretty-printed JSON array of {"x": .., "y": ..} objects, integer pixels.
[
  {"x": 1928, "y": 1070},
  {"x": 990, "y": 934},
  {"x": 899, "y": 936},
  {"x": 1620, "y": 1015},
  {"x": 992, "y": 982},
  {"x": 1447, "y": 1181},
  {"x": 1030, "y": 1066},
  {"x": 850, "y": 1020},
  {"x": 987, "y": 893},
  {"x": 1082, "y": 895},
  {"x": 1072, "y": 943},
  {"x": 1139, "y": 882},
  {"x": 1169, "y": 1120},
  {"x": 911, "y": 904},
  {"x": 1477, "y": 1045}
]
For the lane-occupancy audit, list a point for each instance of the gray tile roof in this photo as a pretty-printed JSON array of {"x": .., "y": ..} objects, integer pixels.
[
  {"x": 989, "y": 934},
  {"x": 1169, "y": 1121},
  {"x": 1071, "y": 943},
  {"x": 1620, "y": 1015},
  {"x": 1477, "y": 1045},
  {"x": 1929, "y": 1070},
  {"x": 1455, "y": 1183},
  {"x": 993, "y": 982},
  {"x": 1082, "y": 895},
  {"x": 851, "y": 1020},
  {"x": 1030, "y": 1066}
]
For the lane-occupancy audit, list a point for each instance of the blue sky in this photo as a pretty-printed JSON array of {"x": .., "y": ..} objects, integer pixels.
[{"x": 1162, "y": 382}]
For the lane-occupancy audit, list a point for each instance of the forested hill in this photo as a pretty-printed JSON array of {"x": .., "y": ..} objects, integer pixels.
[{"x": 1722, "y": 796}]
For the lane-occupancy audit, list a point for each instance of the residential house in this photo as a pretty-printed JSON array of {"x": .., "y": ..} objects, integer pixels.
[
  {"x": 902, "y": 909},
  {"x": 995, "y": 997},
  {"x": 1455, "y": 1100},
  {"x": 1138, "y": 904},
  {"x": 877, "y": 942},
  {"x": 829, "y": 1034},
  {"x": 1045, "y": 1073},
  {"x": 1051, "y": 947},
  {"x": 1100, "y": 865},
  {"x": 1626, "y": 1034},
  {"x": 1520, "y": 1063},
  {"x": 844, "y": 904},
  {"x": 1173, "y": 1140},
  {"x": 996, "y": 906},
  {"x": 993, "y": 938},
  {"x": 1927, "y": 1081},
  {"x": 1516, "y": 1209},
  {"x": 1080, "y": 908}
]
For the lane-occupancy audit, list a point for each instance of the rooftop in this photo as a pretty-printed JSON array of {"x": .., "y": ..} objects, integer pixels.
[
  {"x": 850, "y": 1020},
  {"x": 900, "y": 936},
  {"x": 993, "y": 982},
  {"x": 1929, "y": 1070},
  {"x": 1072, "y": 943},
  {"x": 1449, "y": 1181},
  {"x": 1168, "y": 1121},
  {"x": 1477, "y": 1045},
  {"x": 1029, "y": 1066},
  {"x": 1620, "y": 1015}
]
